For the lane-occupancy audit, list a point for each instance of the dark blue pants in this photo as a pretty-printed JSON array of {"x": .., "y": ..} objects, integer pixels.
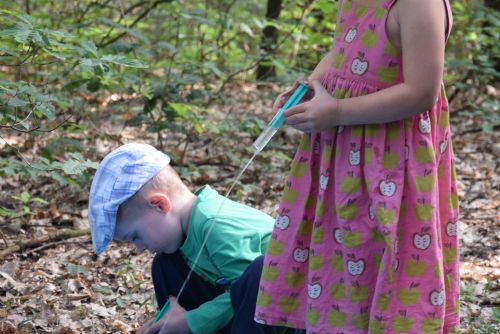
[{"x": 170, "y": 271}]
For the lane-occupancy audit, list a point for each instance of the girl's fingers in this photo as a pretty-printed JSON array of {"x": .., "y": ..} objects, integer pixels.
[{"x": 298, "y": 109}]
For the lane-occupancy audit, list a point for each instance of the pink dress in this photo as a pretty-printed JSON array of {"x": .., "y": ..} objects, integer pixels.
[{"x": 365, "y": 239}]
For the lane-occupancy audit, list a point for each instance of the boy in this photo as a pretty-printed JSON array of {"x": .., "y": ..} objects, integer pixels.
[{"x": 136, "y": 196}]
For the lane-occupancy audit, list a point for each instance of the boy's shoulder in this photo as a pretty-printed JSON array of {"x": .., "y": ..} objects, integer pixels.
[{"x": 211, "y": 206}]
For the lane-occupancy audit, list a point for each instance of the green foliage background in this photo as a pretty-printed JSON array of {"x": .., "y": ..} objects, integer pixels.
[{"x": 172, "y": 60}]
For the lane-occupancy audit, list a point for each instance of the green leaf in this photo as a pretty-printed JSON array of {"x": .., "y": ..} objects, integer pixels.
[
  {"x": 180, "y": 109},
  {"x": 47, "y": 109},
  {"x": 75, "y": 269},
  {"x": 90, "y": 47},
  {"x": 71, "y": 167},
  {"x": 124, "y": 61},
  {"x": 16, "y": 102},
  {"x": 25, "y": 197},
  {"x": 105, "y": 290}
]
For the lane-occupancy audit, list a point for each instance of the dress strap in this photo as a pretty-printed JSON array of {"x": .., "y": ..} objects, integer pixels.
[
  {"x": 390, "y": 3},
  {"x": 449, "y": 19}
]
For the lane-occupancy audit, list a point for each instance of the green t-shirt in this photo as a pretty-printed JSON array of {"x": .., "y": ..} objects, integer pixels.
[{"x": 236, "y": 235}]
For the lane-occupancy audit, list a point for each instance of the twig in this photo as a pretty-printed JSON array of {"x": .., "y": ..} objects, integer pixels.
[{"x": 28, "y": 244}]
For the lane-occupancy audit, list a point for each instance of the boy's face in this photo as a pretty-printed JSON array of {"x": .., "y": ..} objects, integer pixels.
[{"x": 148, "y": 227}]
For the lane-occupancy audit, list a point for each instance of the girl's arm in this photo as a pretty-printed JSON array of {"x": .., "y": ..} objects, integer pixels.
[
  {"x": 422, "y": 40},
  {"x": 321, "y": 68}
]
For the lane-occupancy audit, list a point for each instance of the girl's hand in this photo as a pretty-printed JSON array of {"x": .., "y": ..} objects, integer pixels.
[
  {"x": 318, "y": 114},
  {"x": 283, "y": 97},
  {"x": 176, "y": 322}
]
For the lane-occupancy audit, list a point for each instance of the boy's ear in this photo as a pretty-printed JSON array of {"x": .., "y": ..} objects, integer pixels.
[{"x": 160, "y": 201}]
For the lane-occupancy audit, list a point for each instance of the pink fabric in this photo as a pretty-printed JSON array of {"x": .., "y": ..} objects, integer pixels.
[{"x": 365, "y": 239}]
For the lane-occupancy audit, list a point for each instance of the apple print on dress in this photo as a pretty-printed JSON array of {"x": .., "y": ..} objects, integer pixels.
[
  {"x": 406, "y": 152},
  {"x": 424, "y": 123},
  {"x": 443, "y": 145},
  {"x": 423, "y": 240},
  {"x": 387, "y": 188},
  {"x": 371, "y": 211},
  {"x": 359, "y": 66},
  {"x": 350, "y": 35},
  {"x": 259, "y": 321},
  {"x": 337, "y": 235},
  {"x": 301, "y": 254},
  {"x": 355, "y": 268},
  {"x": 340, "y": 128},
  {"x": 282, "y": 222},
  {"x": 323, "y": 180},
  {"x": 316, "y": 147},
  {"x": 452, "y": 229},
  {"x": 354, "y": 157},
  {"x": 314, "y": 290},
  {"x": 437, "y": 297}
]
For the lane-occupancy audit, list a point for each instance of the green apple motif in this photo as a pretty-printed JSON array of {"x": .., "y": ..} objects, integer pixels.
[
  {"x": 263, "y": 299},
  {"x": 387, "y": 74},
  {"x": 440, "y": 170},
  {"x": 402, "y": 324},
  {"x": 361, "y": 11},
  {"x": 379, "y": 13},
  {"x": 383, "y": 302},
  {"x": 371, "y": 130},
  {"x": 424, "y": 154},
  {"x": 350, "y": 184},
  {"x": 298, "y": 169},
  {"x": 305, "y": 143},
  {"x": 305, "y": 228},
  {"x": 392, "y": 130},
  {"x": 327, "y": 154},
  {"x": 288, "y": 304},
  {"x": 315, "y": 262},
  {"x": 275, "y": 247},
  {"x": 377, "y": 327},
  {"x": 415, "y": 268},
  {"x": 369, "y": 37},
  {"x": 294, "y": 278},
  {"x": 368, "y": 155},
  {"x": 377, "y": 236},
  {"x": 336, "y": 318},
  {"x": 318, "y": 235},
  {"x": 356, "y": 130},
  {"x": 444, "y": 120},
  {"x": 337, "y": 263},
  {"x": 377, "y": 261},
  {"x": 390, "y": 275},
  {"x": 351, "y": 239},
  {"x": 453, "y": 200},
  {"x": 337, "y": 291},
  {"x": 269, "y": 273},
  {"x": 320, "y": 209},
  {"x": 453, "y": 173},
  {"x": 289, "y": 195},
  {"x": 389, "y": 159},
  {"x": 424, "y": 183},
  {"x": 361, "y": 320},
  {"x": 390, "y": 50},
  {"x": 437, "y": 271},
  {"x": 430, "y": 326},
  {"x": 385, "y": 216},
  {"x": 312, "y": 316},
  {"x": 347, "y": 6},
  {"x": 338, "y": 60},
  {"x": 408, "y": 296},
  {"x": 358, "y": 293},
  {"x": 449, "y": 255},
  {"x": 423, "y": 212},
  {"x": 347, "y": 211},
  {"x": 338, "y": 93}
]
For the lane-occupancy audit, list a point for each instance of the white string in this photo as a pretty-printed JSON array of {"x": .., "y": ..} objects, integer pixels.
[{"x": 206, "y": 239}]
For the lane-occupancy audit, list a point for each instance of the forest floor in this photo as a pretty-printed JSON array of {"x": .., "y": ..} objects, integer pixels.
[{"x": 59, "y": 286}]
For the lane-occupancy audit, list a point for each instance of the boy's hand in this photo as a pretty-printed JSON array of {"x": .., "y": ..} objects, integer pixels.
[
  {"x": 318, "y": 114},
  {"x": 176, "y": 322}
]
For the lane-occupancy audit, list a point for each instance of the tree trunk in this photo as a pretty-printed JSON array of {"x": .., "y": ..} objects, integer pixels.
[{"x": 269, "y": 38}]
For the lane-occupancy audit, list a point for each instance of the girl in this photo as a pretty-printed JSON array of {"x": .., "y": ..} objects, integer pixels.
[{"x": 365, "y": 240}]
